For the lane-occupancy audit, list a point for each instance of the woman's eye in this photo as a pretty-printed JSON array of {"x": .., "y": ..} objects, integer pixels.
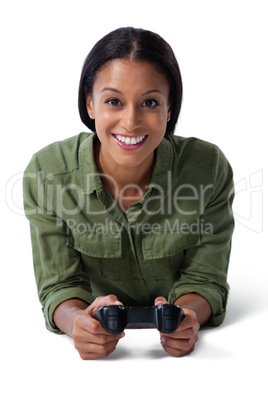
[
  {"x": 151, "y": 103},
  {"x": 113, "y": 102}
]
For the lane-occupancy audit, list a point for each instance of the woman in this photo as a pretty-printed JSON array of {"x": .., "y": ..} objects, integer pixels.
[{"x": 130, "y": 214}]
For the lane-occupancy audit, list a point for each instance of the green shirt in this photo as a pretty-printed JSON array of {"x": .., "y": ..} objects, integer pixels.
[{"x": 174, "y": 241}]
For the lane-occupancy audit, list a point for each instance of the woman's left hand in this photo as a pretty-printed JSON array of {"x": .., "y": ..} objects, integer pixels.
[{"x": 182, "y": 341}]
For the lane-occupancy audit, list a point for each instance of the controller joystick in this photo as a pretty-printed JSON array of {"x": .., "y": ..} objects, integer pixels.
[{"x": 165, "y": 317}]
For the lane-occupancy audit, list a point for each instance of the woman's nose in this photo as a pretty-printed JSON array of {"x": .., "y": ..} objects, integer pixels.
[{"x": 131, "y": 118}]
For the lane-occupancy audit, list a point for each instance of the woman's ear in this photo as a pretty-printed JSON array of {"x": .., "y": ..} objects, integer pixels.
[
  {"x": 89, "y": 105},
  {"x": 169, "y": 113}
]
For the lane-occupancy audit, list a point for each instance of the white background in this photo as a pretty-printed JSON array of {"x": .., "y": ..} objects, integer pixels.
[{"x": 221, "y": 47}]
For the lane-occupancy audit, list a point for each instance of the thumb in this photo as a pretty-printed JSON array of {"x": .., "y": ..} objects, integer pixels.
[{"x": 160, "y": 300}]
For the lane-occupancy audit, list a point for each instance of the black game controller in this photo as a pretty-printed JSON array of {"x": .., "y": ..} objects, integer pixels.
[{"x": 165, "y": 317}]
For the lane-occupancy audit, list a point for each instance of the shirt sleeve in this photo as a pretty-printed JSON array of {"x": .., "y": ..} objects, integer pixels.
[
  {"x": 205, "y": 266},
  {"x": 58, "y": 269}
]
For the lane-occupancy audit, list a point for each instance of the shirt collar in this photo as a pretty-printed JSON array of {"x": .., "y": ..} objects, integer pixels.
[
  {"x": 163, "y": 165},
  {"x": 90, "y": 178}
]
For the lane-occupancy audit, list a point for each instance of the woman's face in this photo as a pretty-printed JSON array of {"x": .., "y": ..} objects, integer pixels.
[{"x": 130, "y": 105}]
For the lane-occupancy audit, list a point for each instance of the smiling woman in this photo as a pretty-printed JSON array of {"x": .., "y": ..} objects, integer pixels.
[
  {"x": 130, "y": 214},
  {"x": 135, "y": 45},
  {"x": 131, "y": 121}
]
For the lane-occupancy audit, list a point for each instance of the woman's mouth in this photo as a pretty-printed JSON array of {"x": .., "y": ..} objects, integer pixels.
[{"x": 130, "y": 142}]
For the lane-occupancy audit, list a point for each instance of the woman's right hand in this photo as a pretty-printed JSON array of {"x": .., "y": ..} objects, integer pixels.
[{"x": 90, "y": 338}]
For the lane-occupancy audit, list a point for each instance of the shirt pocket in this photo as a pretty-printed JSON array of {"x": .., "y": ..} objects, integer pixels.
[
  {"x": 101, "y": 254},
  {"x": 164, "y": 253}
]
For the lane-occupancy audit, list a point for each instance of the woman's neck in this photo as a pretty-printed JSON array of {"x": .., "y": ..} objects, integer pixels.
[{"x": 126, "y": 184}]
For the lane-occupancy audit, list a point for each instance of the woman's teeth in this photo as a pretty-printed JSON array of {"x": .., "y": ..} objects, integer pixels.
[{"x": 130, "y": 140}]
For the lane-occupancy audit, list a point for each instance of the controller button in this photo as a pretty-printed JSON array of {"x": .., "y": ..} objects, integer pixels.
[
  {"x": 169, "y": 324},
  {"x": 112, "y": 312},
  {"x": 112, "y": 323},
  {"x": 170, "y": 313}
]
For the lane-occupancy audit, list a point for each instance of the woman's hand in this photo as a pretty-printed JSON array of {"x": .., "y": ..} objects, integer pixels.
[
  {"x": 91, "y": 340},
  {"x": 182, "y": 341}
]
